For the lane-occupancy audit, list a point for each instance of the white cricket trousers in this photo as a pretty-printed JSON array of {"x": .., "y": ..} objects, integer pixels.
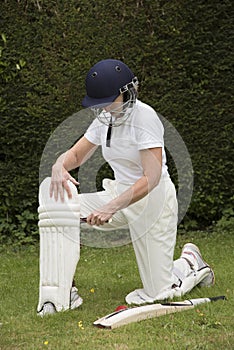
[{"x": 152, "y": 223}]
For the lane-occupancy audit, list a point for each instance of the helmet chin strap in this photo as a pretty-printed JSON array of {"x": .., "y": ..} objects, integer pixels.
[{"x": 108, "y": 135}]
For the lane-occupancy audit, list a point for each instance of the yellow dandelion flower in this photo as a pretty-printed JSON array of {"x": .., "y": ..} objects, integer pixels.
[
  {"x": 92, "y": 290},
  {"x": 80, "y": 325},
  {"x": 46, "y": 342}
]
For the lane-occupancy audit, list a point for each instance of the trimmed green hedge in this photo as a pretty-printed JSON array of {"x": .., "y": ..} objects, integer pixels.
[{"x": 181, "y": 53}]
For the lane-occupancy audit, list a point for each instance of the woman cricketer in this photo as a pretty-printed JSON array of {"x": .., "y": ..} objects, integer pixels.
[{"x": 141, "y": 197}]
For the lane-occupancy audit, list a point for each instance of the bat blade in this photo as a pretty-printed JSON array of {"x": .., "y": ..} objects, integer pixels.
[{"x": 136, "y": 314}]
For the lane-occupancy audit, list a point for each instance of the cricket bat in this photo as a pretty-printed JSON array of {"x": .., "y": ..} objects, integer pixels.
[
  {"x": 136, "y": 314},
  {"x": 84, "y": 220}
]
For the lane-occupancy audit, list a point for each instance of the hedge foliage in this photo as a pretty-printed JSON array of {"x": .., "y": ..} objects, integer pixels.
[{"x": 182, "y": 54}]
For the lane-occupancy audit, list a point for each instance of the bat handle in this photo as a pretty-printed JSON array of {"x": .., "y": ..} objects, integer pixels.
[
  {"x": 84, "y": 220},
  {"x": 220, "y": 297},
  {"x": 198, "y": 301}
]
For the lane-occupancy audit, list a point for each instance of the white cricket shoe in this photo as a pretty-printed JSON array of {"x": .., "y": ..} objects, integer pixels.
[
  {"x": 75, "y": 302},
  {"x": 75, "y": 299},
  {"x": 192, "y": 254},
  {"x": 48, "y": 309}
]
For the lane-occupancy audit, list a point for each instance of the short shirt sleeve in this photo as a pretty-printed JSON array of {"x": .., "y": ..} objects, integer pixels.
[
  {"x": 149, "y": 131},
  {"x": 93, "y": 133}
]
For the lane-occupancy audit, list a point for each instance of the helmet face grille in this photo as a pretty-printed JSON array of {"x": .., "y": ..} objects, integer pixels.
[{"x": 120, "y": 112}]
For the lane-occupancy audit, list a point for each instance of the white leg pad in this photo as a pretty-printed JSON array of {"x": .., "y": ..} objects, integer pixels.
[
  {"x": 139, "y": 297},
  {"x": 59, "y": 228},
  {"x": 192, "y": 280}
]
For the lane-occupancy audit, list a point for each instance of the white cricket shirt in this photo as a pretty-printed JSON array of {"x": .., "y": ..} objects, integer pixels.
[{"x": 142, "y": 130}]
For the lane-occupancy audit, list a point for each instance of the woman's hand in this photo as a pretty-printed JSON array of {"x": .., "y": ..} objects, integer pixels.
[
  {"x": 67, "y": 161},
  {"x": 59, "y": 182},
  {"x": 100, "y": 216}
]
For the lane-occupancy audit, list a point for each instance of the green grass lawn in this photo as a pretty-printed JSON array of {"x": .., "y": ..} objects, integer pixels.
[{"x": 104, "y": 277}]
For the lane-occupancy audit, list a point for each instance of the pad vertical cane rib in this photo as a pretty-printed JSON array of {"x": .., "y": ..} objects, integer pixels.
[{"x": 59, "y": 228}]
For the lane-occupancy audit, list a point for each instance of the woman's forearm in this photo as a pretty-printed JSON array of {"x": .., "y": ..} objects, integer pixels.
[
  {"x": 76, "y": 155},
  {"x": 66, "y": 160},
  {"x": 136, "y": 192}
]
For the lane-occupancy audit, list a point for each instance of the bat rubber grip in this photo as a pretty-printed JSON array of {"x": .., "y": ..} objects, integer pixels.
[{"x": 220, "y": 297}]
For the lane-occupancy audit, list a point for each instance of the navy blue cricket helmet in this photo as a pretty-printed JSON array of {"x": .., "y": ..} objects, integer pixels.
[{"x": 106, "y": 80}]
